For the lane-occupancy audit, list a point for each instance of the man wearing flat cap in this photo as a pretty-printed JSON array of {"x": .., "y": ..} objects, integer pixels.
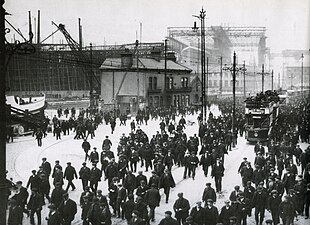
[
  {"x": 208, "y": 193},
  {"x": 227, "y": 211},
  {"x": 84, "y": 175},
  {"x": 94, "y": 177},
  {"x": 273, "y": 206},
  {"x": 35, "y": 205},
  {"x": 53, "y": 217},
  {"x": 15, "y": 216},
  {"x": 168, "y": 220},
  {"x": 212, "y": 214},
  {"x": 67, "y": 209},
  {"x": 259, "y": 202},
  {"x": 70, "y": 174},
  {"x": 181, "y": 208},
  {"x": 198, "y": 214}
]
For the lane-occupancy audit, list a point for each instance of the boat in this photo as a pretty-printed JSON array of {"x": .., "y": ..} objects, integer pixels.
[{"x": 32, "y": 104}]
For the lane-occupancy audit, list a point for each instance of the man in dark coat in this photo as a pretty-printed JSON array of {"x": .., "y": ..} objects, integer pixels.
[
  {"x": 259, "y": 202},
  {"x": 181, "y": 208},
  {"x": 227, "y": 211},
  {"x": 86, "y": 148},
  {"x": 141, "y": 208},
  {"x": 67, "y": 210},
  {"x": 287, "y": 211},
  {"x": 168, "y": 220},
  {"x": 53, "y": 216},
  {"x": 154, "y": 179},
  {"x": 152, "y": 199},
  {"x": 212, "y": 214},
  {"x": 128, "y": 207},
  {"x": 120, "y": 199},
  {"x": 35, "y": 205},
  {"x": 273, "y": 206},
  {"x": 21, "y": 196},
  {"x": 33, "y": 181},
  {"x": 208, "y": 193},
  {"x": 242, "y": 209},
  {"x": 136, "y": 220},
  {"x": 46, "y": 167},
  {"x": 198, "y": 214},
  {"x": 166, "y": 182},
  {"x": 94, "y": 156},
  {"x": 69, "y": 175},
  {"x": 84, "y": 175},
  {"x": 218, "y": 173},
  {"x": 15, "y": 216},
  {"x": 57, "y": 195},
  {"x": 94, "y": 177},
  {"x": 130, "y": 182}
]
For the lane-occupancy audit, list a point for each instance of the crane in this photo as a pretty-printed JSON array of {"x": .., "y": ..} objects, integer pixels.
[{"x": 86, "y": 60}]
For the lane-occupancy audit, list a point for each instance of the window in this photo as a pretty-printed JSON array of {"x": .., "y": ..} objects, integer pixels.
[
  {"x": 154, "y": 82},
  {"x": 226, "y": 83},
  {"x": 184, "y": 82},
  {"x": 151, "y": 101},
  {"x": 161, "y": 103},
  {"x": 150, "y": 82},
  {"x": 170, "y": 83},
  {"x": 215, "y": 83}
]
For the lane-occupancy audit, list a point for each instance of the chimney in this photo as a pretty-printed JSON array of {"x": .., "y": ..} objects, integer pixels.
[
  {"x": 171, "y": 56},
  {"x": 156, "y": 54},
  {"x": 126, "y": 59}
]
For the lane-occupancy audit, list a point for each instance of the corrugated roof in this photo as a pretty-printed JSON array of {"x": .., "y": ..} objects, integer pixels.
[{"x": 144, "y": 63}]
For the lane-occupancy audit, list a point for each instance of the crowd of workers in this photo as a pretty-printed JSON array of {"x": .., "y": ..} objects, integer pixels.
[{"x": 278, "y": 183}]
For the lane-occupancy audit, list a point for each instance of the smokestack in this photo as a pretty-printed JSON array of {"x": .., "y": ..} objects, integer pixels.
[
  {"x": 80, "y": 35},
  {"x": 30, "y": 27},
  {"x": 38, "y": 31}
]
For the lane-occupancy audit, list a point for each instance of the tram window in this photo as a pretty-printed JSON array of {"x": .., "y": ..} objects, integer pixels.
[
  {"x": 265, "y": 123},
  {"x": 257, "y": 123},
  {"x": 250, "y": 121}
]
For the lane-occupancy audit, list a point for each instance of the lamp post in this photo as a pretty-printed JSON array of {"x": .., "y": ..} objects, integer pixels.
[
  {"x": 302, "y": 75},
  {"x": 234, "y": 70},
  {"x": 291, "y": 76},
  {"x": 202, "y": 17}
]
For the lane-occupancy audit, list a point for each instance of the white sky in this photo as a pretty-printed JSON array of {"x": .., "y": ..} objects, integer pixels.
[{"x": 116, "y": 21}]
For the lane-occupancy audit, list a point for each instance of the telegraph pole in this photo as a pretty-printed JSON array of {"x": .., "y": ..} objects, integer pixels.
[
  {"x": 3, "y": 189},
  {"x": 165, "y": 81},
  {"x": 244, "y": 92},
  {"x": 221, "y": 75},
  {"x": 202, "y": 17},
  {"x": 91, "y": 97},
  {"x": 302, "y": 75},
  {"x": 272, "y": 80},
  {"x": 263, "y": 78}
]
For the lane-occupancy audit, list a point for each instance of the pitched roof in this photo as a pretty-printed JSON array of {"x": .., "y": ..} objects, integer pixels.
[{"x": 144, "y": 64}]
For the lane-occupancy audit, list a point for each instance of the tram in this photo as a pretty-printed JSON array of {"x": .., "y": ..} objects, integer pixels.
[{"x": 261, "y": 113}]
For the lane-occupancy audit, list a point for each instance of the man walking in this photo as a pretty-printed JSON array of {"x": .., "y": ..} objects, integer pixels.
[
  {"x": 70, "y": 174},
  {"x": 67, "y": 210},
  {"x": 181, "y": 208}
]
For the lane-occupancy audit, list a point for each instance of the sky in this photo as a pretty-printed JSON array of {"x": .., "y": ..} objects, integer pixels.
[{"x": 118, "y": 21}]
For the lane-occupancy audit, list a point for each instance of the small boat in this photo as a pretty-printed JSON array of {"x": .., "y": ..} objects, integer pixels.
[{"x": 34, "y": 104}]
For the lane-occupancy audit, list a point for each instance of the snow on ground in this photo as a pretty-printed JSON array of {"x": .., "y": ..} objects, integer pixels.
[{"x": 24, "y": 155}]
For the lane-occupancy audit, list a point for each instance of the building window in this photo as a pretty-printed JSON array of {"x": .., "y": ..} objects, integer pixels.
[
  {"x": 151, "y": 101},
  {"x": 184, "y": 81},
  {"x": 226, "y": 83},
  {"x": 187, "y": 100},
  {"x": 170, "y": 83},
  {"x": 154, "y": 82},
  {"x": 156, "y": 101},
  {"x": 151, "y": 83},
  {"x": 215, "y": 83},
  {"x": 161, "y": 103}
]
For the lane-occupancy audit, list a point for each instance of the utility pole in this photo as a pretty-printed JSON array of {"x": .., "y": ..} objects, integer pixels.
[
  {"x": 91, "y": 94},
  {"x": 80, "y": 35},
  {"x": 272, "y": 80},
  {"x": 234, "y": 70},
  {"x": 202, "y": 17},
  {"x": 30, "y": 26},
  {"x": 165, "y": 77},
  {"x": 138, "y": 76},
  {"x": 207, "y": 89},
  {"x": 302, "y": 75},
  {"x": 263, "y": 73},
  {"x": 244, "y": 92},
  {"x": 221, "y": 75},
  {"x": 3, "y": 189}
]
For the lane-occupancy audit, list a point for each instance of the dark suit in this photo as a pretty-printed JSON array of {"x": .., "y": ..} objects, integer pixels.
[
  {"x": 15, "y": 215},
  {"x": 68, "y": 209},
  {"x": 54, "y": 219},
  {"x": 84, "y": 174},
  {"x": 198, "y": 215},
  {"x": 47, "y": 167},
  {"x": 226, "y": 213},
  {"x": 69, "y": 175},
  {"x": 35, "y": 206},
  {"x": 95, "y": 177},
  {"x": 152, "y": 199},
  {"x": 211, "y": 215},
  {"x": 181, "y": 208}
]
